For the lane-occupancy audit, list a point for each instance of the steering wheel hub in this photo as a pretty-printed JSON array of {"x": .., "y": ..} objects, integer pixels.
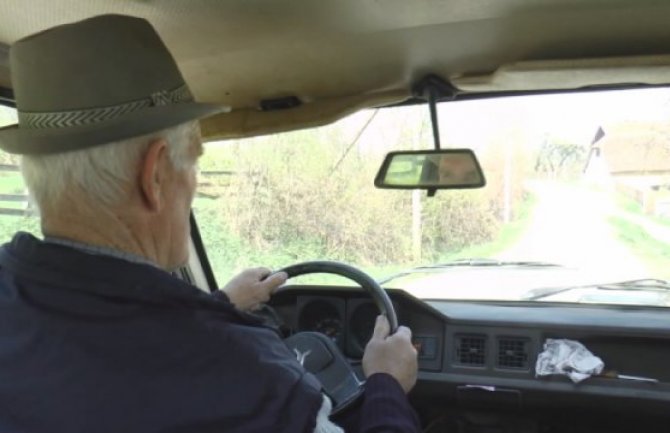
[{"x": 318, "y": 353}]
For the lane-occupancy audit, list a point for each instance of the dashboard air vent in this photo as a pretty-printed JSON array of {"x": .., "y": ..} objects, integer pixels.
[
  {"x": 513, "y": 353},
  {"x": 471, "y": 350}
]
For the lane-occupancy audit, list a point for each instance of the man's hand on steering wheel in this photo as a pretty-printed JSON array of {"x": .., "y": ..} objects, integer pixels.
[
  {"x": 253, "y": 287},
  {"x": 389, "y": 351},
  {"x": 391, "y": 354}
]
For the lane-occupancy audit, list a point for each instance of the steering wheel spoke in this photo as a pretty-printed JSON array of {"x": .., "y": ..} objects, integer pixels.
[{"x": 319, "y": 354}]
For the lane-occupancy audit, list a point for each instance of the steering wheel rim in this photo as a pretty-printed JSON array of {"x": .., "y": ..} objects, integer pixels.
[
  {"x": 378, "y": 294},
  {"x": 318, "y": 354}
]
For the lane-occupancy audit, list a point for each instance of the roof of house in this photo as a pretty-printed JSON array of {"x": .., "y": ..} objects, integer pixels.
[{"x": 636, "y": 148}]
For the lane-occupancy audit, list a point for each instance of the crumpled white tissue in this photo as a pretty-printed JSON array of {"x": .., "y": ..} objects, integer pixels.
[{"x": 568, "y": 357}]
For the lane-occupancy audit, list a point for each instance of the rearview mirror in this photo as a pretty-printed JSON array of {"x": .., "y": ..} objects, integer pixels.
[{"x": 431, "y": 170}]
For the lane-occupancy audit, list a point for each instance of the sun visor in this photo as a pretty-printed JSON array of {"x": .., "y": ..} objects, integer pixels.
[
  {"x": 569, "y": 74},
  {"x": 244, "y": 123}
]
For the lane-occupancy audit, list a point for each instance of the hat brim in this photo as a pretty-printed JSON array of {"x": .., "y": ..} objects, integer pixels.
[{"x": 23, "y": 141}]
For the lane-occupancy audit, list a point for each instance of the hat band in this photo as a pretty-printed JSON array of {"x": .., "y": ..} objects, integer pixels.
[{"x": 68, "y": 119}]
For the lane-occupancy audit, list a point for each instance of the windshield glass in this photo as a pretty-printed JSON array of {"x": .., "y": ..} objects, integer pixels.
[
  {"x": 577, "y": 180},
  {"x": 7, "y": 116}
]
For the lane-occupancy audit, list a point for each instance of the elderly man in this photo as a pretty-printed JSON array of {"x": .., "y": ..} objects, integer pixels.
[{"x": 96, "y": 334}]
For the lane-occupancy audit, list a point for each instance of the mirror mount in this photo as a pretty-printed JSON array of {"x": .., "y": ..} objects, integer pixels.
[{"x": 433, "y": 88}]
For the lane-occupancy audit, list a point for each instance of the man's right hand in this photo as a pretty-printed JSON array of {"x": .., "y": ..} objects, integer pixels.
[{"x": 391, "y": 354}]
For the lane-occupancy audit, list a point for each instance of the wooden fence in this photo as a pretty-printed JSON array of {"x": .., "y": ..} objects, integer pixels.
[
  {"x": 25, "y": 210},
  {"x": 25, "y": 207}
]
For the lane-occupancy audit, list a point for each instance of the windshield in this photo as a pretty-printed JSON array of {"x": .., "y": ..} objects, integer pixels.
[
  {"x": 577, "y": 180},
  {"x": 7, "y": 116}
]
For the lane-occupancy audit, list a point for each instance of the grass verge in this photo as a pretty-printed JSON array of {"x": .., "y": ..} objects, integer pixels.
[
  {"x": 229, "y": 255},
  {"x": 509, "y": 234},
  {"x": 653, "y": 253},
  {"x": 629, "y": 205}
]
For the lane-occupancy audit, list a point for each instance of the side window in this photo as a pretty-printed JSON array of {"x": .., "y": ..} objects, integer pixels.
[{"x": 17, "y": 213}]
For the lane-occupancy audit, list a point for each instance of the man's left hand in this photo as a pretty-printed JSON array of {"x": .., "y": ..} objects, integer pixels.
[{"x": 254, "y": 286}]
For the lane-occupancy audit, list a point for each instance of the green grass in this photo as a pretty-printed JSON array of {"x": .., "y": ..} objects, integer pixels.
[
  {"x": 629, "y": 205},
  {"x": 659, "y": 220},
  {"x": 508, "y": 235},
  {"x": 653, "y": 253},
  {"x": 11, "y": 183},
  {"x": 10, "y": 224}
]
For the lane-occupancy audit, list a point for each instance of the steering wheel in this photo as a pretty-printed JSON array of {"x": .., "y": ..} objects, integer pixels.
[{"x": 318, "y": 353}]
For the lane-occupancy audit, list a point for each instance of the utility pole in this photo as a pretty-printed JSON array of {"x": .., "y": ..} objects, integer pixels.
[
  {"x": 416, "y": 225},
  {"x": 416, "y": 208},
  {"x": 507, "y": 186}
]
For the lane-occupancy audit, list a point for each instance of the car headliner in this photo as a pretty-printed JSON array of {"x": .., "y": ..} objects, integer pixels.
[{"x": 340, "y": 56}]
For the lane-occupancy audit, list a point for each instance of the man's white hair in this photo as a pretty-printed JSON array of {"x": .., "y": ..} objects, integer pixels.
[{"x": 102, "y": 173}]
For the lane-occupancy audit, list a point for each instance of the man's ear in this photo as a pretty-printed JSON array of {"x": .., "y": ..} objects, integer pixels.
[{"x": 152, "y": 174}]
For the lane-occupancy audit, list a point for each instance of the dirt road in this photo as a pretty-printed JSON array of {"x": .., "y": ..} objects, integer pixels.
[{"x": 569, "y": 226}]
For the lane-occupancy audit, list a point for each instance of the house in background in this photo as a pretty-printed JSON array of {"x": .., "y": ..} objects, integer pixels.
[{"x": 633, "y": 159}]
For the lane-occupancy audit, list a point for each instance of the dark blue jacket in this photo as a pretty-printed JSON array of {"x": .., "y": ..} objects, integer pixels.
[{"x": 91, "y": 343}]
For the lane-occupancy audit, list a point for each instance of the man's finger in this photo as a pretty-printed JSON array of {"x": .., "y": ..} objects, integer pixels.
[
  {"x": 262, "y": 272},
  {"x": 404, "y": 332},
  {"x": 273, "y": 281},
  {"x": 382, "y": 328}
]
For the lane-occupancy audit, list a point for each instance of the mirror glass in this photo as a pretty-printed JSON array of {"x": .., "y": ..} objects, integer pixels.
[{"x": 431, "y": 169}]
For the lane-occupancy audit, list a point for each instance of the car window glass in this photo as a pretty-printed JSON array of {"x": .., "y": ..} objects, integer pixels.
[
  {"x": 7, "y": 116},
  {"x": 581, "y": 181},
  {"x": 17, "y": 212}
]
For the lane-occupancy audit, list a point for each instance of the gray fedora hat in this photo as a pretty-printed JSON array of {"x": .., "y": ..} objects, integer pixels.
[{"x": 93, "y": 82}]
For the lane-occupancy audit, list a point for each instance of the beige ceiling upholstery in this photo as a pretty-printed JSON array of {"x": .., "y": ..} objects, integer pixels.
[
  {"x": 570, "y": 74},
  {"x": 340, "y": 55}
]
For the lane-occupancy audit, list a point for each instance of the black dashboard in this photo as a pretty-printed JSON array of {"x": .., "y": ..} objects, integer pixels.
[
  {"x": 483, "y": 355},
  {"x": 347, "y": 316}
]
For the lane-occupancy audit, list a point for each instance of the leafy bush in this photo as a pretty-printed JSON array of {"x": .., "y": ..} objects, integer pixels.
[{"x": 309, "y": 195}]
